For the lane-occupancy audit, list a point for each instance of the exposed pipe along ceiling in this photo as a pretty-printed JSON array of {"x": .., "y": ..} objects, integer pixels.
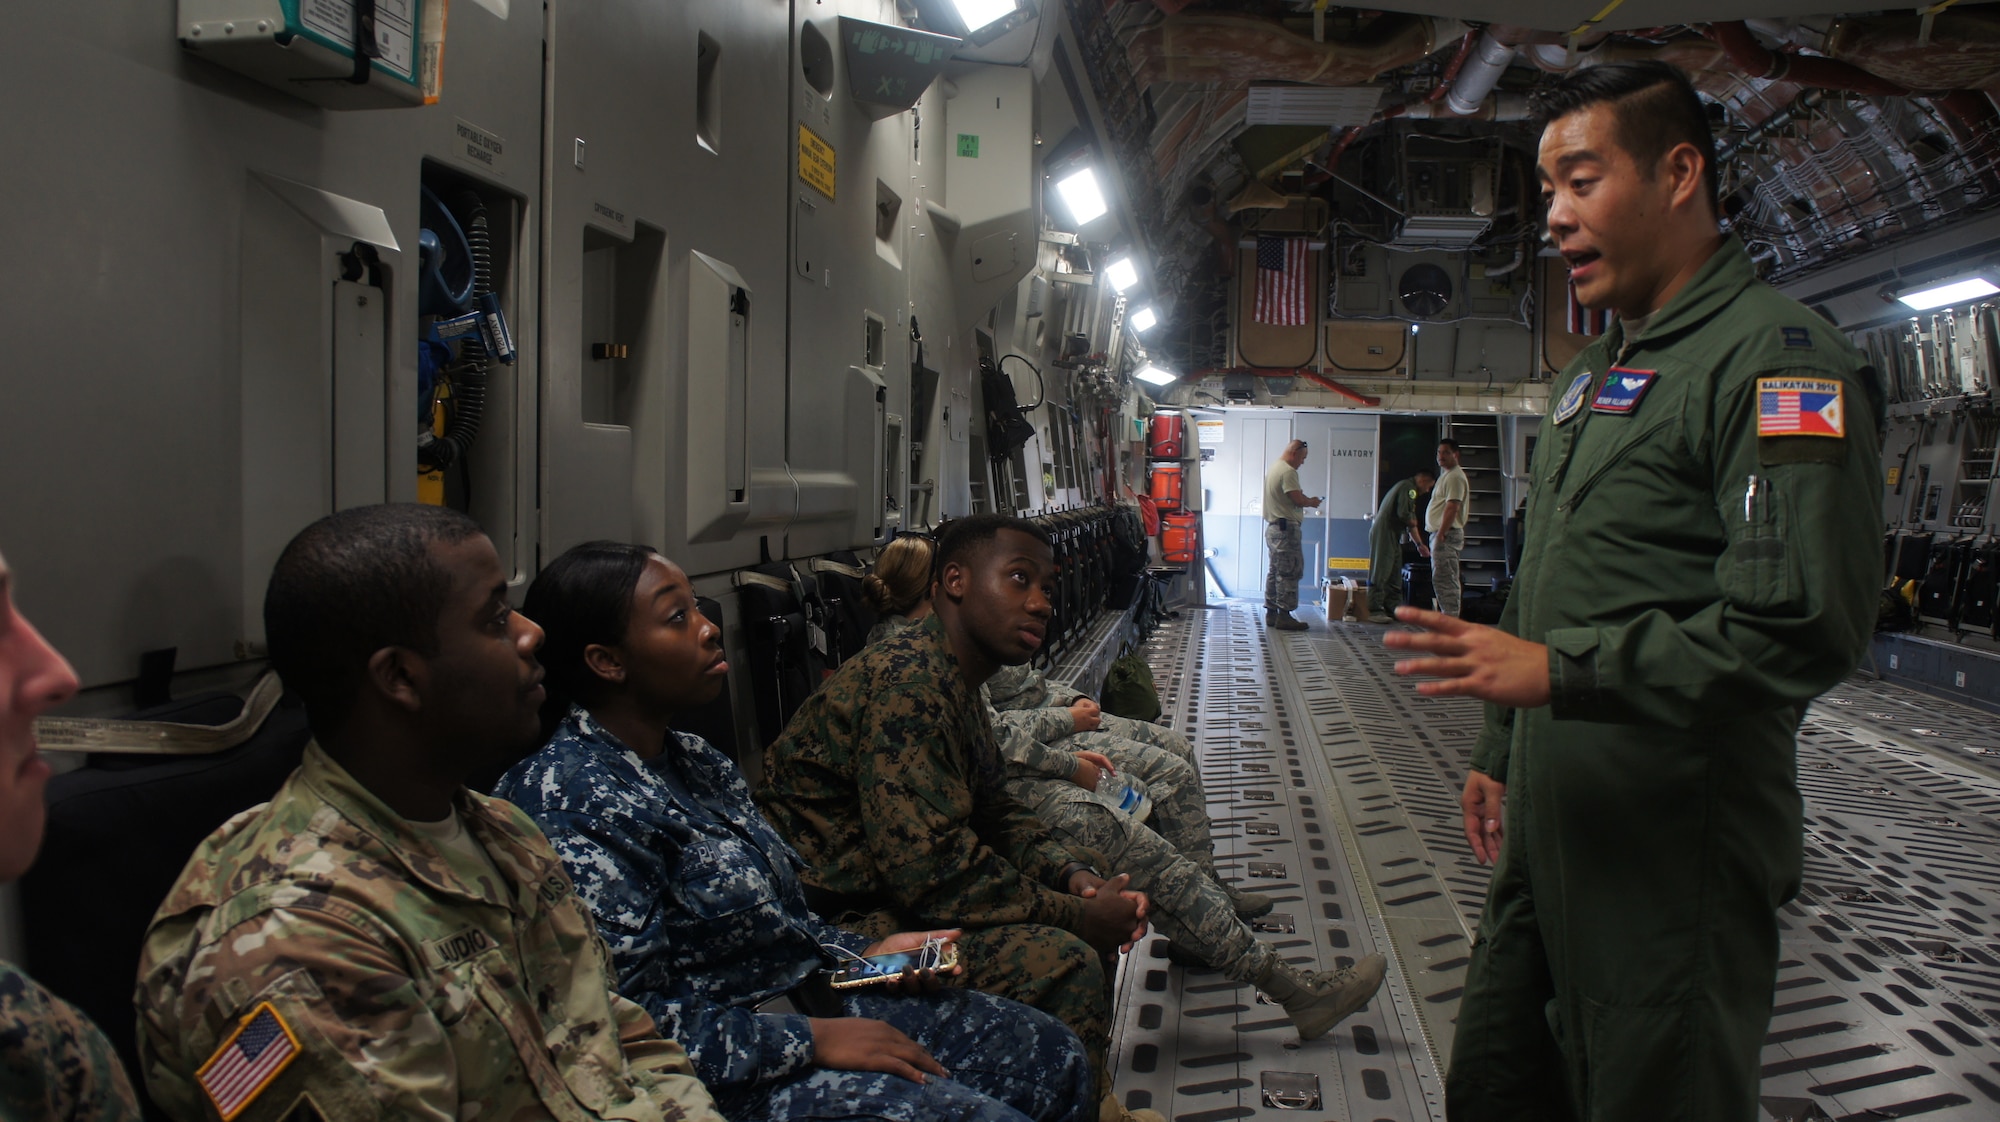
[{"x": 1393, "y": 139}]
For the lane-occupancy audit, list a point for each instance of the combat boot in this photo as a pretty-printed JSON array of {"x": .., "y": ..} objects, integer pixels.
[
  {"x": 1111, "y": 1110},
  {"x": 1317, "y": 1002},
  {"x": 1283, "y": 621},
  {"x": 1248, "y": 905}
]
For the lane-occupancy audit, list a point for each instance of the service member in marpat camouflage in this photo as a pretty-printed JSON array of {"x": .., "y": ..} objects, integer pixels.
[
  {"x": 701, "y": 902},
  {"x": 378, "y": 941},
  {"x": 1702, "y": 558},
  {"x": 888, "y": 783},
  {"x": 55, "y": 1065},
  {"x": 1090, "y": 808},
  {"x": 1395, "y": 521}
]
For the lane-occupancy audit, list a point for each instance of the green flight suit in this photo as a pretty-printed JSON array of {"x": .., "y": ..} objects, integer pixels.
[
  {"x": 1626, "y": 958},
  {"x": 1385, "y": 546}
]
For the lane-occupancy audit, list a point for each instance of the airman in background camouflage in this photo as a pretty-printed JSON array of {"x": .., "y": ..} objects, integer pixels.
[
  {"x": 54, "y": 1063},
  {"x": 420, "y": 980},
  {"x": 701, "y": 901},
  {"x": 1035, "y": 722}
]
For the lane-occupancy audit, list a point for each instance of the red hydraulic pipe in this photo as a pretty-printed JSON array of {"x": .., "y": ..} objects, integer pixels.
[
  {"x": 1759, "y": 61},
  {"x": 1457, "y": 63},
  {"x": 1294, "y": 372}
]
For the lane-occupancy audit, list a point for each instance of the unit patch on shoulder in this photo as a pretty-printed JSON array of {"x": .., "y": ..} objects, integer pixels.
[
  {"x": 1797, "y": 337},
  {"x": 1788, "y": 406},
  {"x": 261, "y": 1047},
  {"x": 1572, "y": 398},
  {"x": 1623, "y": 390}
]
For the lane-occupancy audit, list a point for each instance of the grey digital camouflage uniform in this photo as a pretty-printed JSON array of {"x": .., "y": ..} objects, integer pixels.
[
  {"x": 55, "y": 1065},
  {"x": 888, "y": 784},
  {"x": 417, "y": 986},
  {"x": 700, "y": 901}
]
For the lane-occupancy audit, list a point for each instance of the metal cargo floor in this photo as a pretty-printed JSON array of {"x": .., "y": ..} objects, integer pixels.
[{"x": 1334, "y": 786}]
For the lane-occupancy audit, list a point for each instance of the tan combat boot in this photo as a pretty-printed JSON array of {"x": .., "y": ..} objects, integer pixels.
[
  {"x": 1317, "y": 1002},
  {"x": 1111, "y": 1110}
]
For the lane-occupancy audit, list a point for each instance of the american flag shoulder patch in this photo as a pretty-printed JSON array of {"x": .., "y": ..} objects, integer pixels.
[
  {"x": 261, "y": 1047},
  {"x": 1791, "y": 406}
]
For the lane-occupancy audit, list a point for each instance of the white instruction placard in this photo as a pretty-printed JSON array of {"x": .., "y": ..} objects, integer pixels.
[{"x": 395, "y": 28}]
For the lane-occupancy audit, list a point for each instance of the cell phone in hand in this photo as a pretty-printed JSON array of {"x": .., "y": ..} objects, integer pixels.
[{"x": 878, "y": 968}]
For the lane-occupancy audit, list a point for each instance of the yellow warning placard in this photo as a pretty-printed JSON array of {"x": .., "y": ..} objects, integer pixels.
[{"x": 815, "y": 162}]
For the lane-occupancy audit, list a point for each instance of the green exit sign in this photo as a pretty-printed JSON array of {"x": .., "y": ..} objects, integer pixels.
[{"x": 968, "y": 146}]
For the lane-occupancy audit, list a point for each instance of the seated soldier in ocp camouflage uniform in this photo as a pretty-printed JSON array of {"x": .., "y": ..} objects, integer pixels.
[
  {"x": 378, "y": 941},
  {"x": 1083, "y": 809},
  {"x": 54, "y": 1063},
  {"x": 700, "y": 899}
]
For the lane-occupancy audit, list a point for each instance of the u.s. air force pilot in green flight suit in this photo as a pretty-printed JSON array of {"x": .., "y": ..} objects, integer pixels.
[{"x": 1701, "y": 561}]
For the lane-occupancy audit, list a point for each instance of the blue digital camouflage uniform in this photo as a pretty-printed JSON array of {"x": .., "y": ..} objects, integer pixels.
[
  {"x": 700, "y": 901},
  {"x": 55, "y": 1065},
  {"x": 416, "y": 982},
  {"x": 888, "y": 783}
]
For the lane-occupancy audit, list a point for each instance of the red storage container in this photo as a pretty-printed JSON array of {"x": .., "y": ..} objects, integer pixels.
[
  {"x": 1166, "y": 486},
  {"x": 1177, "y": 537},
  {"x": 1168, "y": 440}
]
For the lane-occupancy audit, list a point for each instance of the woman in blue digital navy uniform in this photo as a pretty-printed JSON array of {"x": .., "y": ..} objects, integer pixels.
[{"x": 699, "y": 897}]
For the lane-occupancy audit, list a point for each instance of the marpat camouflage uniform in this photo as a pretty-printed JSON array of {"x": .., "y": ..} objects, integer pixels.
[
  {"x": 888, "y": 783},
  {"x": 700, "y": 901},
  {"x": 55, "y": 1065},
  {"x": 416, "y": 983}
]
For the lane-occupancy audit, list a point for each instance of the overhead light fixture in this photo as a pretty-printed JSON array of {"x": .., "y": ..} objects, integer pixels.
[
  {"x": 1955, "y": 292},
  {"x": 1153, "y": 375},
  {"x": 1122, "y": 273},
  {"x": 1080, "y": 192},
  {"x": 1413, "y": 328},
  {"x": 1144, "y": 319},
  {"x": 978, "y": 22},
  {"x": 976, "y": 14}
]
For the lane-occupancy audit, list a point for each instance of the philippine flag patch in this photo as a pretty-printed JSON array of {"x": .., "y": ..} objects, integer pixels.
[
  {"x": 1801, "y": 407},
  {"x": 260, "y": 1048}
]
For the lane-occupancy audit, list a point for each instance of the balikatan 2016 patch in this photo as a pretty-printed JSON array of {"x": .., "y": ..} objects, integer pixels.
[
  {"x": 1791, "y": 406},
  {"x": 1572, "y": 398},
  {"x": 1623, "y": 390}
]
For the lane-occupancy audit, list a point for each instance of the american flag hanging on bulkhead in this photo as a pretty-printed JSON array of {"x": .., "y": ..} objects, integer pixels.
[
  {"x": 1284, "y": 282},
  {"x": 1585, "y": 321}
]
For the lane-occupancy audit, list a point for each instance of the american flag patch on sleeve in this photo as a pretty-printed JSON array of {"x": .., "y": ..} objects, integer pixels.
[
  {"x": 1801, "y": 407},
  {"x": 260, "y": 1048}
]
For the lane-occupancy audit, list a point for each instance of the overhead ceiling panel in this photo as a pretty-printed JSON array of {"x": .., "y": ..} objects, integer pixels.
[{"x": 1566, "y": 15}]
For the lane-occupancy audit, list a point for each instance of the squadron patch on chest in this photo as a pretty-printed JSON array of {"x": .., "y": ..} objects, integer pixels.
[
  {"x": 1622, "y": 390},
  {"x": 1572, "y": 398},
  {"x": 1801, "y": 407}
]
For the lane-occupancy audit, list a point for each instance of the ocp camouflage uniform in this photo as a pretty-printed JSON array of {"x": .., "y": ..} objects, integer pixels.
[
  {"x": 888, "y": 784},
  {"x": 421, "y": 980},
  {"x": 55, "y": 1065},
  {"x": 700, "y": 901}
]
